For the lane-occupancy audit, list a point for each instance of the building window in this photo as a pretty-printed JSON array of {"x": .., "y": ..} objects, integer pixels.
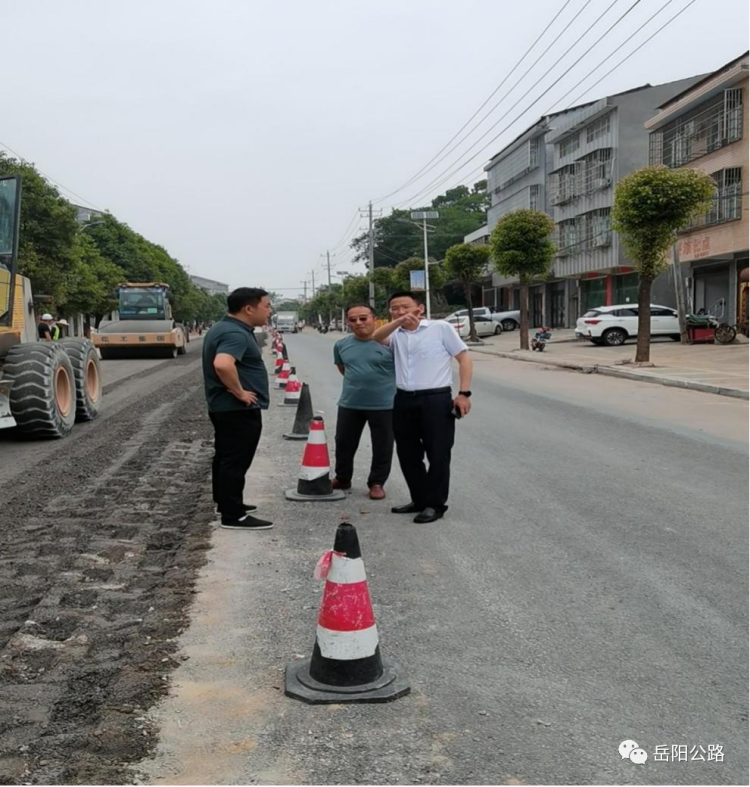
[
  {"x": 534, "y": 197},
  {"x": 598, "y": 129},
  {"x": 564, "y": 184},
  {"x": 570, "y": 144},
  {"x": 601, "y": 227},
  {"x": 566, "y": 237},
  {"x": 514, "y": 166},
  {"x": 727, "y": 204},
  {"x": 533, "y": 152},
  {"x": 592, "y": 230},
  {"x": 711, "y": 126},
  {"x": 595, "y": 171}
]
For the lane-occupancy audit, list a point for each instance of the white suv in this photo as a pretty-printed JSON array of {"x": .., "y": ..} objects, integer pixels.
[{"x": 613, "y": 325}]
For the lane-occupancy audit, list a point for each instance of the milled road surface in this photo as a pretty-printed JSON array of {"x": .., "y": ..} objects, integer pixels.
[
  {"x": 587, "y": 586},
  {"x": 102, "y": 534}
]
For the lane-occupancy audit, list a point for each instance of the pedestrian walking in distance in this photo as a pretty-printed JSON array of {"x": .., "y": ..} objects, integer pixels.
[
  {"x": 366, "y": 398},
  {"x": 236, "y": 382},
  {"x": 425, "y": 410}
]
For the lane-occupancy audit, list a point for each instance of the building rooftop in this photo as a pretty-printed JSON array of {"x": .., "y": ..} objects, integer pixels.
[{"x": 704, "y": 79}]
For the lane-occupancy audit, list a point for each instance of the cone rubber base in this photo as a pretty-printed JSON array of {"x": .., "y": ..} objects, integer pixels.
[
  {"x": 298, "y": 684},
  {"x": 295, "y": 437},
  {"x": 284, "y": 404},
  {"x": 293, "y": 494}
]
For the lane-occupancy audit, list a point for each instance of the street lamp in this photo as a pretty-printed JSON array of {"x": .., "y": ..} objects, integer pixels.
[{"x": 424, "y": 215}]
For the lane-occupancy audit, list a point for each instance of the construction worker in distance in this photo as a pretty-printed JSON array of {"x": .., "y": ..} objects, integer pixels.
[
  {"x": 44, "y": 329},
  {"x": 59, "y": 329}
]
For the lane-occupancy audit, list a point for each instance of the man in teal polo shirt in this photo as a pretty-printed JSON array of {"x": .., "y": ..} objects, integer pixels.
[
  {"x": 367, "y": 397},
  {"x": 236, "y": 382}
]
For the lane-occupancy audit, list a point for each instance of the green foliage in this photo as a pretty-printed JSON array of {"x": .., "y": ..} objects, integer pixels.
[
  {"x": 466, "y": 262},
  {"x": 90, "y": 284},
  {"x": 46, "y": 248},
  {"x": 144, "y": 261},
  {"x": 462, "y": 210},
  {"x": 80, "y": 267},
  {"x": 651, "y": 205},
  {"x": 520, "y": 244},
  {"x": 401, "y": 280},
  {"x": 356, "y": 289}
]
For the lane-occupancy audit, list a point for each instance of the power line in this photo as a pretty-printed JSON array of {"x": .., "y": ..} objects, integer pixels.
[
  {"x": 611, "y": 54},
  {"x": 347, "y": 230},
  {"x": 640, "y": 46},
  {"x": 473, "y": 173},
  {"x": 427, "y": 167},
  {"x": 437, "y": 182},
  {"x": 52, "y": 180}
]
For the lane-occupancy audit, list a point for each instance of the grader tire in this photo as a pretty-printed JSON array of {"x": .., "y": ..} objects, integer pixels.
[
  {"x": 42, "y": 397},
  {"x": 85, "y": 361}
]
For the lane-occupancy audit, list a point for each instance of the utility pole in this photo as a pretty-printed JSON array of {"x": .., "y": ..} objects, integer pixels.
[
  {"x": 328, "y": 263},
  {"x": 371, "y": 265},
  {"x": 304, "y": 284},
  {"x": 313, "y": 282},
  {"x": 679, "y": 290},
  {"x": 424, "y": 215}
]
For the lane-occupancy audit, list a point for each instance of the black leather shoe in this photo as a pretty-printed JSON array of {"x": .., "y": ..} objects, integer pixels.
[
  {"x": 409, "y": 508},
  {"x": 428, "y": 515}
]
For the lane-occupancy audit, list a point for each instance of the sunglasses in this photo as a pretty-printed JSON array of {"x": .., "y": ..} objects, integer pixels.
[{"x": 362, "y": 318}]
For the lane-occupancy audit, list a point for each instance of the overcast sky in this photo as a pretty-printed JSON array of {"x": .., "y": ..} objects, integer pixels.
[{"x": 243, "y": 136}]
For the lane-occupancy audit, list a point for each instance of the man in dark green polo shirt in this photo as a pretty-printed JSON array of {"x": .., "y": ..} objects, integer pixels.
[
  {"x": 236, "y": 382},
  {"x": 367, "y": 397}
]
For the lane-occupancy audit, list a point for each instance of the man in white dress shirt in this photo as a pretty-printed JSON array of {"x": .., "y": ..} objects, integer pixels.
[{"x": 424, "y": 410}]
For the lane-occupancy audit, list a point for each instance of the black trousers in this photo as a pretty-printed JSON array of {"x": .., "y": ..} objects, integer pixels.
[
  {"x": 424, "y": 425},
  {"x": 349, "y": 426},
  {"x": 236, "y": 437}
]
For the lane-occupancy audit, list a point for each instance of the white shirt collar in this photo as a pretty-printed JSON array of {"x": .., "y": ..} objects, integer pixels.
[{"x": 422, "y": 324}]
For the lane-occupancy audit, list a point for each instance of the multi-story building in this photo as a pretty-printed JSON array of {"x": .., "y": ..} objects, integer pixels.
[
  {"x": 567, "y": 164},
  {"x": 210, "y": 286},
  {"x": 706, "y": 127},
  {"x": 517, "y": 178}
]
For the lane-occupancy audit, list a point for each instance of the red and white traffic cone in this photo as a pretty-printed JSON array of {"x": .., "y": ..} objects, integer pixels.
[
  {"x": 278, "y": 363},
  {"x": 283, "y": 375},
  {"x": 346, "y": 665},
  {"x": 314, "y": 481},
  {"x": 293, "y": 390}
]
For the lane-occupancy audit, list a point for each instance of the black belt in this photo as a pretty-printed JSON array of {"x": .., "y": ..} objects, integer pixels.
[{"x": 423, "y": 391}]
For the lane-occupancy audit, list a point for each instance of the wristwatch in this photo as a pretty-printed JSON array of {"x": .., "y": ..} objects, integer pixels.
[{"x": 467, "y": 394}]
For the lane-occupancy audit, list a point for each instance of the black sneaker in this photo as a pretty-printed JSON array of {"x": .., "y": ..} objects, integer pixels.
[
  {"x": 246, "y": 522},
  {"x": 247, "y": 508}
]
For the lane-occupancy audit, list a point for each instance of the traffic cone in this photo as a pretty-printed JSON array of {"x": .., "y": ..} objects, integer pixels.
[
  {"x": 346, "y": 665},
  {"x": 293, "y": 390},
  {"x": 314, "y": 481},
  {"x": 284, "y": 375},
  {"x": 284, "y": 351},
  {"x": 279, "y": 363},
  {"x": 302, "y": 417}
]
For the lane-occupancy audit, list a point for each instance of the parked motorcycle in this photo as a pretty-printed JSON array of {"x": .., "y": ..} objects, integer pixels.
[{"x": 541, "y": 337}]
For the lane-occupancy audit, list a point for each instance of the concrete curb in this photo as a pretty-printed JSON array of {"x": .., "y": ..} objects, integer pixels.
[{"x": 611, "y": 371}]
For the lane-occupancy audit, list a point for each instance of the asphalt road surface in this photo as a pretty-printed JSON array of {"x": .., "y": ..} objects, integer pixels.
[
  {"x": 587, "y": 586},
  {"x": 102, "y": 534}
]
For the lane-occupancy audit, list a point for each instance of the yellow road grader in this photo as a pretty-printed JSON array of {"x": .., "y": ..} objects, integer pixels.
[{"x": 45, "y": 387}]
